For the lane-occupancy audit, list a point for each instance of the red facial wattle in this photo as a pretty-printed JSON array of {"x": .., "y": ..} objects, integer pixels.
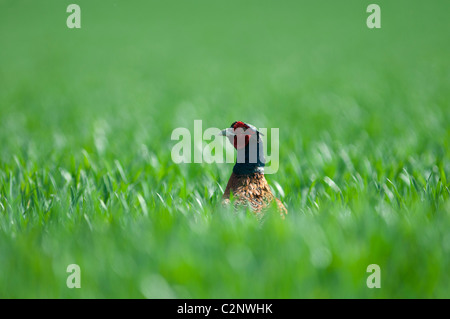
[
  {"x": 240, "y": 124},
  {"x": 242, "y": 135},
  {"x": 241, "y": 141}
]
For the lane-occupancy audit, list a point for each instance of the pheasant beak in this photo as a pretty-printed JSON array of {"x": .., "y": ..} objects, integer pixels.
[{"x": 227, "y": 132}]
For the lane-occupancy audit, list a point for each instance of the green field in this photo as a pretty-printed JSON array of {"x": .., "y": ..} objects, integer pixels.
[{"x": 86, "y": 175}]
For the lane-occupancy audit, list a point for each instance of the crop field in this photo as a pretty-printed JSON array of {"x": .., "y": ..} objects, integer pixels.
[{"x": 87, "y": 176}]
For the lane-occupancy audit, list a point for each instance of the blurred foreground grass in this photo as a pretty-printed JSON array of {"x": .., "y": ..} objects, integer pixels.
[{"x": 86, "y": 175}]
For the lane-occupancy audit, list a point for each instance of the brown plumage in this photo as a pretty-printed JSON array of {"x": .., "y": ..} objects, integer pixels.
[
  {"x": 247, "y": 182},
  {"x": 251, "y": 190}
]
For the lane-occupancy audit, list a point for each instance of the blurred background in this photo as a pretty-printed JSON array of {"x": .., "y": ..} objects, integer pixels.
[{"x": 86, "y": 176}]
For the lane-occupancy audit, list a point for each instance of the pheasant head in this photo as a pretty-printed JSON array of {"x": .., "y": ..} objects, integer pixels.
[{"x": 246, "y": 139}]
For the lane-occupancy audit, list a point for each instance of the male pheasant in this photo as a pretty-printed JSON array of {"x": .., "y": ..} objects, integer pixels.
[{"x": 247, "y": 182}]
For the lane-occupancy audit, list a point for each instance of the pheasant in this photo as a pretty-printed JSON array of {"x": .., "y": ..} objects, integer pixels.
[{"x": 247, "y": 182}]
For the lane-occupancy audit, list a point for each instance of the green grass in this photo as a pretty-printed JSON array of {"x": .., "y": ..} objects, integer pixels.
[{"x": 86, "y": 175}]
